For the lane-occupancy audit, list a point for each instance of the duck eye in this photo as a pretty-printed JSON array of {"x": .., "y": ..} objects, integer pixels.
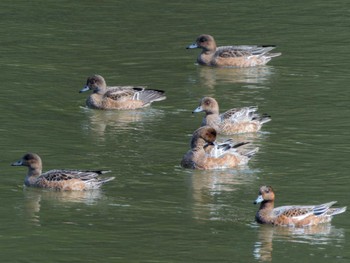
[{"x": 202, "y": 39}]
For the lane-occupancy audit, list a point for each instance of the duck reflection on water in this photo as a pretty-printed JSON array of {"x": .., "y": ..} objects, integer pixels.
[
  {"x": 314, "y": 235},
  {"x": 34, "y": 197},
  {"x": 101, "y": 122}
]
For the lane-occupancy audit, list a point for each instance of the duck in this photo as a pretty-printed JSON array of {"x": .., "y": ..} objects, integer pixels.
[
  {"x": 233, "y": 121},
  {"x": 293, "y": 215},
  {"x": 119, "y": 97},
  {"x": 65, "y": 180},
  {"x": 206, "y": 153},
  {"x": 242, "y": 56}
]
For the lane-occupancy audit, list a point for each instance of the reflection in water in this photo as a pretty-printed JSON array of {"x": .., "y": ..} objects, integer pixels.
[
  {"x": 209, "y": 76},
  {"x": 207, "y": 186},
  {"x": 99, "y": 121},
  {"x": 34, "y": 197},
  {"x": 315, "y": 235}
]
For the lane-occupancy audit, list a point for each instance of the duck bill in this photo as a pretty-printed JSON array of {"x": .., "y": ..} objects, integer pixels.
[
  {"x": 18, "y": 163},
  {"x": 86, "y": 88},
  {"x": 259, "y": 200},
  {"x": 194, "y": 45},
  {"x": 199, "y": 109}
]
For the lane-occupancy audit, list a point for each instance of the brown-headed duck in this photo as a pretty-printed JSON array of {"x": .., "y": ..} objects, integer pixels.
[
  {"x": 237, "y": 120},
  {"x": 60, "y": 179},
  {"x": 231, "y": 56},
  {"x": 293, "y": 215},
  {"x": 119, "y": 97},
  {"x": 206, "y": 154}
]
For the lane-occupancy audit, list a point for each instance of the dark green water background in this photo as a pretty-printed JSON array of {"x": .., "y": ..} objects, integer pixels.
[{"x": 155, "y": 211}]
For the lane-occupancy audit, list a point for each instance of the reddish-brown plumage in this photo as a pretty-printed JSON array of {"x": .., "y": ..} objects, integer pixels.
[
  {"x": 198, "y": 158},
  {"x": 295, "y": 215}
]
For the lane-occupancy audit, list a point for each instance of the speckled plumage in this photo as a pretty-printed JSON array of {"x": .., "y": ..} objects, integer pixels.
[
  {"x": 119, "y": 97},
  {"x": 60, "y": 179},
  {"x": 205, "y": 154},
  {"x": 236, "y": 120},
  {"x": 231, "y": 56},
  {"x": 294, "y": 215}
]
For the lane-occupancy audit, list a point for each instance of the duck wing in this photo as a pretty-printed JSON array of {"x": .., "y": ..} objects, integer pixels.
[
  {"x": 217, "y": 150},
  {"x": 240, "y": 114},
  {"x": 243, "y": 51},
  {"x": 301, "y": 212},
  {"x": 62, "y": 175},
  {"x": 147, "y": 96},
  {"x": 122, "y": 93}
]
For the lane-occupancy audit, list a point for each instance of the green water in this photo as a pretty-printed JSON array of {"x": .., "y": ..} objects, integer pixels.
[{"x": 155, "y": 211}]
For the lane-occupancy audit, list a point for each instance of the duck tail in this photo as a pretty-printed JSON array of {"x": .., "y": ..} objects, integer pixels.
[
  {"x": 99, "y": 171},
  {"x": 265, "y": 118},
  {"x": 251, "y": 153},
  {"x": 105, "y": 180},
  {"x": 264, "y": 51},
  {"x": 336, "y": 211},
  {"x": 323, "y": 209},
  {"x": 272, "y": 55},
  {"x": 150, "y": 95},
  {"x": 96, "y": 183},
  {"x": 240, "y": 144}
]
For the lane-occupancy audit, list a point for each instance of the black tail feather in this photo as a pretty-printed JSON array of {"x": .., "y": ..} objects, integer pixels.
[{"x": 240, "y": 144}]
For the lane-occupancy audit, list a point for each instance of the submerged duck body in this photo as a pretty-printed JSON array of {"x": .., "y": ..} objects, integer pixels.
[
  {"x": 59, "y": 179},
  {"x": 119, "y": 97},
  {"x": 231, "y": 56}
]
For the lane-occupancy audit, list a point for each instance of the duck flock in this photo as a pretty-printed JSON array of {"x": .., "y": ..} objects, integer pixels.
[{"x": 205, "y": 151}]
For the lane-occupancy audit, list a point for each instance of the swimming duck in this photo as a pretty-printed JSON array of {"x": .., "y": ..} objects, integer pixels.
[
  {"x": 119, "y": 97},
  {"x": 237, "y": 120},
  {"x": 60, "y": 179},
  {"x": 206, "y": 154},
  {"x": 294, "y": 215},
  {"x": 218, "y": 149},
  {"x": 231, "y": 56}
]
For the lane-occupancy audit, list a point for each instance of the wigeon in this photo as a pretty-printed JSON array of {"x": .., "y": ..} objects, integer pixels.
[
  {"x": 231, "y": 56},
  {"x": 119, "y": 97},
  {"x": 237, "y": 120},
  {"x": 294, "y": 215},
  {"x": 205, "y": 154},
  {"x": 59, "y": 179}
]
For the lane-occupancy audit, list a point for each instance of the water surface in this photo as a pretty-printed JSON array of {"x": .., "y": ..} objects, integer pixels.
[{"x": 155, "y": 211}]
